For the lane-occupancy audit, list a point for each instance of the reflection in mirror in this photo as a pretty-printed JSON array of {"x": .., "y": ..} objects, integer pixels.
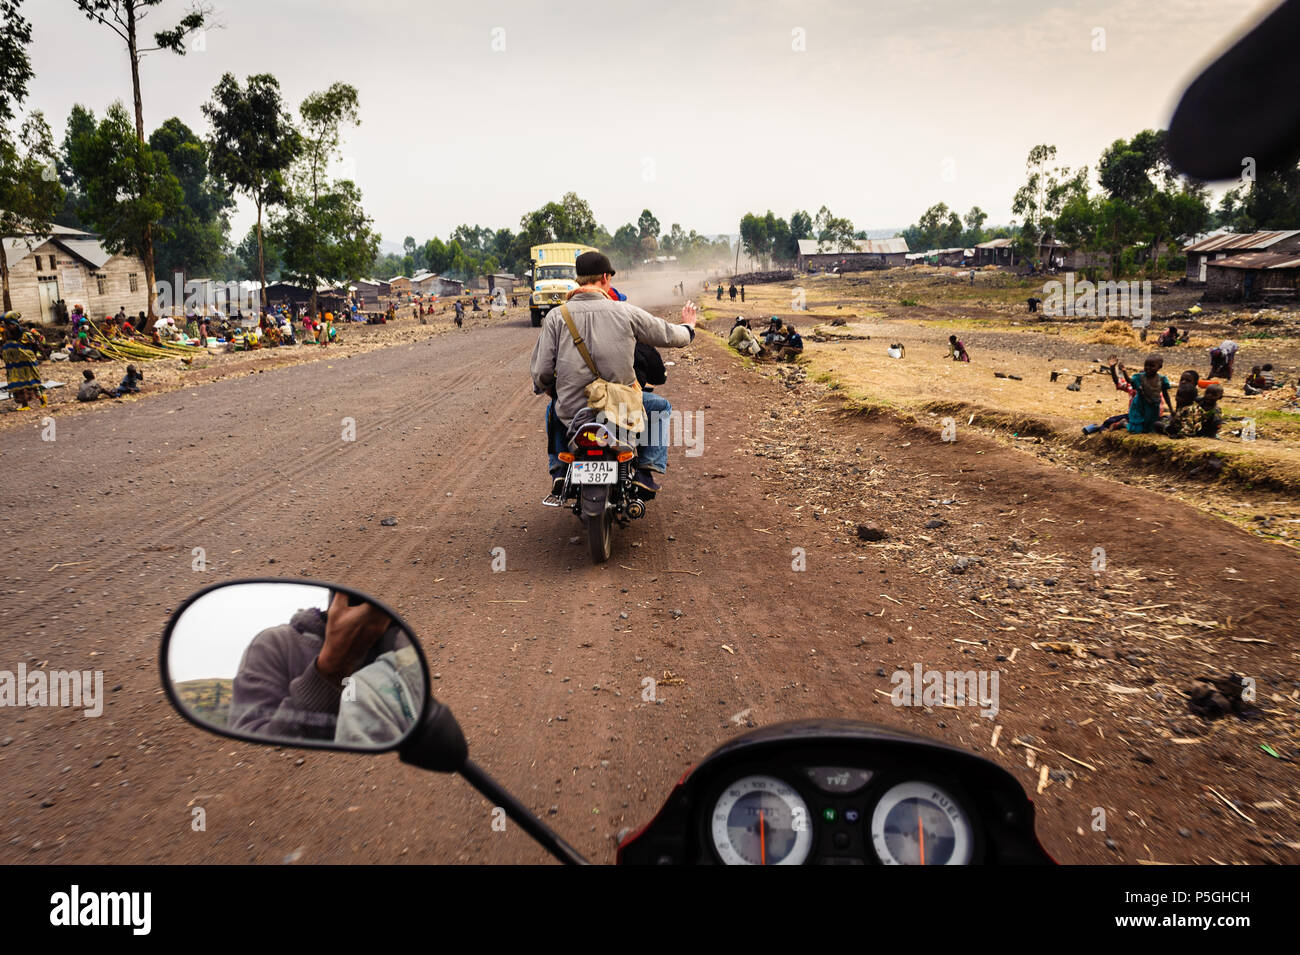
[{"x": 293, "y": 662}]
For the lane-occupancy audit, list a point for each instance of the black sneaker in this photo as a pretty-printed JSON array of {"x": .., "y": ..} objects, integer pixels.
[{"x": 645, "y": 479}]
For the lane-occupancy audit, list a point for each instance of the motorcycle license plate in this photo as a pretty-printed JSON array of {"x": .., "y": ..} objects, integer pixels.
[{"x": 594, "y": 472}]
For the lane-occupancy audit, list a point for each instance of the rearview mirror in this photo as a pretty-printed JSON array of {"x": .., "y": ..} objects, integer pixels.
[{"x": 297, "y": 663}]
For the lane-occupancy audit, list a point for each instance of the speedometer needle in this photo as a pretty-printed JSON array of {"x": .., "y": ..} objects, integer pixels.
[
  {"x": 762, "y": 839},
  {"x": 920, "y": 833}
]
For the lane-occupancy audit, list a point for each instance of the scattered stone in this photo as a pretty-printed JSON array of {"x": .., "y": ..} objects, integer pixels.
[
  {"x": 389, "y": 522},
  {"x": 870, "y": 532}
]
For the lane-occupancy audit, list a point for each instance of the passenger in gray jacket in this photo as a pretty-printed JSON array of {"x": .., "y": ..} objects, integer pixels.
[{"x": 611, "y": 330}]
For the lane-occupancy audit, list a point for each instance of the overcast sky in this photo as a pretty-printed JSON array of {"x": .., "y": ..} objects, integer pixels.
[{"x": 700, "y": 111}]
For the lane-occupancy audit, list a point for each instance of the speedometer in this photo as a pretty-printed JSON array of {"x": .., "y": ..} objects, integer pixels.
[
  {"x": 919, "y": 823},
  {"x": 760, "y": 820}
]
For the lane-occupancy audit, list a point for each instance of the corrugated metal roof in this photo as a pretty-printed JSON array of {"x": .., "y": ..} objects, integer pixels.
[
  {"x": 891, "y": 246},
  {"x": 84, "y": 245},
  {"x": 1258, "y": 260},
  {"x": 1240, "y": 240},
  {"x": 995, "y": 244},
  {"x": 88, "y": 249}
]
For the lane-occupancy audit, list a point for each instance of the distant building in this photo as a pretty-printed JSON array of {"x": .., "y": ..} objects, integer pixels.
[
  {"x": 425, "y": 282},
  {"x": 996, "y": 252},
  {"x": 1267, "y": 276},
  {"x": 287, "y": 293},
  {"x": 399, "y": 285},
  {"x": 369, "y": 292},
  {"x": 501, "y": 280},
  {"x": 72, "y": 265},
  {"x": 854, "y": 257},
  {"x": 1228, "y": 244},
  {"x": 449, "y": 287}
]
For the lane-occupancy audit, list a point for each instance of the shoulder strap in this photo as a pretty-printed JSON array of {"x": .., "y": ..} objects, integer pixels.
[{"x": 577, "y": 340}]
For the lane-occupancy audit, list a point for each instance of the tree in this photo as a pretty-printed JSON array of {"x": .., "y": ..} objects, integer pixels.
[
  {"x": 833, "y": 231},
  {"x": 974, "y": 233},
  {"x": 437, "y": 256},
  {"x": 1099, "y": 224},
  {"x": 15, "y": 63},
  {"x": 647, "y": 224},
  {"x": 581, "y": 221},
  {"x": 624, "y": 245},
  {"x": 1271, "y": 201},
  {"x": 326, "y": 235},
  {"x": 80, "y": 126},
  {"x": 128, "y": 189},
  {"x": 29, "y": 191},
  {"x": 1046, "y": 190},
  {"x": 258, "y": 255},
  {"x": 252, "y": 145},
  {"x": 198, "y": 228},
  {"x": 124, "y": 18},
  {"x": 1132, "y": 170},
  {"x": 325, "y": 232},
  {"x": 1138, "y": 172},
  {"x": 938, "y": 228}
]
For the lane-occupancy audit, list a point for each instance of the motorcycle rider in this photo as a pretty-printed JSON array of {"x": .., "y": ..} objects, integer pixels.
[{"x": 611, "y": 330}]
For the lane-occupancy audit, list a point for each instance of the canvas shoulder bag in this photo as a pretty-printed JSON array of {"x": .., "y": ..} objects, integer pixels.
[{"x": 620, "y": 403}]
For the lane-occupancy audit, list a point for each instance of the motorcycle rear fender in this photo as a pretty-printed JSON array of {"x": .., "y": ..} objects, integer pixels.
[{"x": 595, "y": 497}]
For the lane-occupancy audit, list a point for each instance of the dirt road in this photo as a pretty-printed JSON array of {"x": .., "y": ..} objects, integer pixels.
[{"x": 990, "y": 556}]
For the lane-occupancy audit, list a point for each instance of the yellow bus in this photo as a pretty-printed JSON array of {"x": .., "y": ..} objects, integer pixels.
[{"x": 554, "y": 275}]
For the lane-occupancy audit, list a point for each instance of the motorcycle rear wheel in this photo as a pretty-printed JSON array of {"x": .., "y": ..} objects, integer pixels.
[{"x": 600, "y": 533}]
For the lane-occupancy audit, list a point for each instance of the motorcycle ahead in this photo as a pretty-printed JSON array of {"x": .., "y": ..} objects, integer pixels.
[
  {"x": 307, "y": 664},
  {"x": 598, "y": 485}
]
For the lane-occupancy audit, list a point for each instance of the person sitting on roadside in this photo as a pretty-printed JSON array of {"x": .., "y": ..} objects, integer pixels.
[
  {"x": 957, "y": 350},
  {"x": 82, "y": 350},
  {"x": 743, "y": 339},
  {"x": 792, "y": 347},
  {"x": 1211, "y": 413},
  {"x": 1186, "y": 394},
  {"x": 1169, "y": 338},
  {"x": 1150, "y": 387},
  {"x": 774, "y": 337},
  {"x": 89, "y": 389},
  {"x": 130, "y": 382},
  {"x": 1260, "y": 380}
]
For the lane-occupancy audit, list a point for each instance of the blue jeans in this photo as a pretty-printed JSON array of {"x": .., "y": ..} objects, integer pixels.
[
  {"x": 652, "y": 456},
  {"x": 655, "y": 456}
]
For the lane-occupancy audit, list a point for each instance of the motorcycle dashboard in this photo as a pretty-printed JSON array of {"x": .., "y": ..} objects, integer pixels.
[{"x": 817, "y": 793}]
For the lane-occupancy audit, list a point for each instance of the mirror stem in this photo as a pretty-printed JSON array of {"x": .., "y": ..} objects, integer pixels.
[{"x": 540, "y": 831}]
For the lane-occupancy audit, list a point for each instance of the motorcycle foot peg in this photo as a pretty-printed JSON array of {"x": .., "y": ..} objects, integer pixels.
[{"x": 553, "y": 500}]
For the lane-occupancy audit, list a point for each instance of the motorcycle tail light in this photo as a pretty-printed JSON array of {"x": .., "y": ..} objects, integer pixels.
[{"x": 591, "y": 438}]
